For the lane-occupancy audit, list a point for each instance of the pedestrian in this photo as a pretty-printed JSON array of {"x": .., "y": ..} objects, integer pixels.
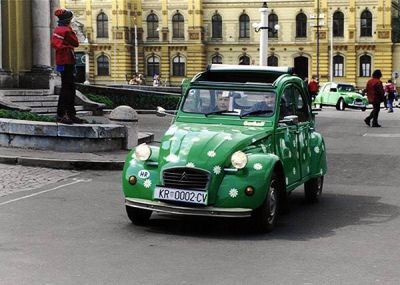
[
  {"x": 390, "y": 91},
  {"x": 375, "y": 94},
  {"x": 313, "y": 87},
  {"x": 64, "y": 40},
  {"x": 156, "y": 80}
]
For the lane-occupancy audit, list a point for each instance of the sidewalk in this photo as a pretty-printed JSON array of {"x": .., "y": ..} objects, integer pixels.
[{"x": 68, "y": 160}]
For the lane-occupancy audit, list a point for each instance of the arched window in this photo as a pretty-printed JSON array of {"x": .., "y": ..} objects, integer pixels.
[
  {"x": 178, "y": 66},
  {"x": 152, "y": 26},
  {"x": 216, "y": 26},
  {"x": 365, "y": 66},
  {"x": 338, "y": 66},
  {"x": 301, "y": 25},
  {"x": 366, "y": 24},
  {"x": 272, "y": 61},
  {"x": 244, "y": 60},
  {"x": 272, "y": 22},
  {"x": 338, "y": 24},
  {"x": 178, "y": 26},
  {"x": 153, "y": 66},
  {"x": 103, "y": 66},
  {"x": 244, "y": 26},
  {"x": 216, "y": 59},
  {"x": 102, "y": 25}
]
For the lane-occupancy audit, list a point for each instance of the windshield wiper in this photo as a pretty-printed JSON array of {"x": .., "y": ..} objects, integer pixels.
[
  {"x": 256, "y": 112},
  {"x": 218, "y": 112}
]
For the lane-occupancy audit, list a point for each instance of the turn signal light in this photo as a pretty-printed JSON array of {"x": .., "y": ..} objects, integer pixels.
[
  {"x": 132, "y": 180},
  {"x": 249, "y": 191}
]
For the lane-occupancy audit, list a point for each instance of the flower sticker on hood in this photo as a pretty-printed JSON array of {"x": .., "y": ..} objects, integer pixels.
[
  {"x": 211, "y": 153},
  {"x": 172, "y": 158},
  {"x": 217, "y": 169},
  {"x": 228, "y": 138},
  {"x": 233, "y": 192},
  {"x": 190, "y": 164},
  {"x": 257, "y": 166},
  {"x": 147, "y": 183}
]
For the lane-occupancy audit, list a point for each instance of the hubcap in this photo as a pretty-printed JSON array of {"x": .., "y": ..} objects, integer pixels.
[{"x": 272, "y": 203}]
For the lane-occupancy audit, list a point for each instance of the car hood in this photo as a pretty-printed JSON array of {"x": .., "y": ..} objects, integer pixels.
[
  {"x": 206, "y": 146},
  {"x": 352, "y": 94}
]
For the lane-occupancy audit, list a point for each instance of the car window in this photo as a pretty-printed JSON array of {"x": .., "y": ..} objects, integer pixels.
[
  {"x": 234, "y": 102},
  {"x": 346, "y": 87},
  {"x": 286, "y": 103},
  {"x": 302, "y": 111}
]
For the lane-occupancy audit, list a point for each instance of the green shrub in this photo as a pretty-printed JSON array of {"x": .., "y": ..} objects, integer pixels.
[
  {"x": 101, "y": 99},
  {"x": 28, "y": 116}
]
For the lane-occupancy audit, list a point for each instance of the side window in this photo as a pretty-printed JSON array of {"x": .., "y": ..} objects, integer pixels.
[
  {"x": 301, "y": 106},
  {"x": 286, "y": 104}
]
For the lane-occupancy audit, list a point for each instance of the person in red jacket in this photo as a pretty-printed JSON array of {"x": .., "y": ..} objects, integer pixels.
[
  {"x": 313, "y": 87},
  {"x": 64, "y": 40},
  {"x": 375, "y": 94}
]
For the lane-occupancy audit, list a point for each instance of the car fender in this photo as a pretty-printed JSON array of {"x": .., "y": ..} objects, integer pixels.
[
  {"x": 318, "y": 165},
  {"x": 257, "y": 174}
]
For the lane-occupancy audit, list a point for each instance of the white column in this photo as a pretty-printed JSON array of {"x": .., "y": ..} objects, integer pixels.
[
  {"x": 41, "y": 52},
  {"x": 54, "y": 4},
  {"x": 136, "y": 50},
  {"x": 87, "y": 69},
  {"x": 264, "y": 37},
  {"x": 331, "y": 51}
]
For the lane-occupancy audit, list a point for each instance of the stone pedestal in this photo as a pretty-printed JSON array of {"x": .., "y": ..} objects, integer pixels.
[
  {"x": 40, "y": 78},
  {"x": 126, "y": 116}
]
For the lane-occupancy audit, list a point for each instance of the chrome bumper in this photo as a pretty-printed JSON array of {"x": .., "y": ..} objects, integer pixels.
[
  {"x": 159, "y": 206},
  {"x": 357, "y": 105}
]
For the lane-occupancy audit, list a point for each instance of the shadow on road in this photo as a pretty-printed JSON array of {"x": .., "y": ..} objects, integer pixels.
[{"x": 303, "y": 222}]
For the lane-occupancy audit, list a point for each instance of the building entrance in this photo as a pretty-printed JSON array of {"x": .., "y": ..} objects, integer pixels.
[{"x": 301, "y": 66}]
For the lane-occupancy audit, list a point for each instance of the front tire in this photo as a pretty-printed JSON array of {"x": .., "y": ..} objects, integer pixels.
[
  {"x": 137, "y": 216},
  {"x": 313, "y": 189},
  {"x": 341, "y": 106},
  {"x": 265, "y": 216}
]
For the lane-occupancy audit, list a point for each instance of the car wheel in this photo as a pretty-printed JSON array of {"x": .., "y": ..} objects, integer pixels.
[
  {"x": 313, "y": 189},
  {"x": 138, "y": 216},
  {"x": 363, "y": 109},
  {"x": 340, "y": 105},
  {"x": 265, "y": 216}
]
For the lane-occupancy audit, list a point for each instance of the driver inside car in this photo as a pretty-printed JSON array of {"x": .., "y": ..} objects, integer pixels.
[{"x": 267, "y": 104}]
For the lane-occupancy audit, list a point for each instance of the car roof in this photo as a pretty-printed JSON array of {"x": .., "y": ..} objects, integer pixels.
[{"x": 219, "y": 74}]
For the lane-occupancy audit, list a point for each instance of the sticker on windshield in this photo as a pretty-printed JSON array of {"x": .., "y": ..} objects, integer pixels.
[{"x": 254, "y": 123}]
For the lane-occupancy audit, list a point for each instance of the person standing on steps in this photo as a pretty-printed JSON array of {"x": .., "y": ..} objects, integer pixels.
[
  {"x": 375, "y": 94},
  {"x": 390, "y": 91},
  {"x": 64, "y": 40}
]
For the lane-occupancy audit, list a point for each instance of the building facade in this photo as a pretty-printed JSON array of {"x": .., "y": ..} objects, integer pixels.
[{"x": 179, "y": 38}]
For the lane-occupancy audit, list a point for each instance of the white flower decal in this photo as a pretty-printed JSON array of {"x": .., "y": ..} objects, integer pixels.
[
  {"x": 228, "y": 138},
  {"x": 253, "y": 140},
  {"x": 316, "y": 149},
  {"x": 174, "y": 138},
  {"x": 233, "y": 192},
  {"x": 217, "y": 169},
  {"x": 294, "y": 171},
  {"x": 211, "y": 153},
  {"x": 172, "y": 158},
  {"x": 195, "y": 139},
  {"x": 147, "y": 183},
  {"x": 257, "y": 166},
  {"x": 313, "y": 136},
  {"x": 190, "y": 164}
]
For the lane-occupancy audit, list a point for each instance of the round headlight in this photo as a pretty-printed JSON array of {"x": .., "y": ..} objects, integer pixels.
[
  {"x": 239, "y": 159},
  {"x": 143, "y": 152}
]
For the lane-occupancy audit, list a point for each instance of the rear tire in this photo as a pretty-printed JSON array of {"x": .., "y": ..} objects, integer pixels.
[
  {"x": 313, "y": 189},
  {"x": 137, "y": 216},
  {"x": 265, "y": 216}
]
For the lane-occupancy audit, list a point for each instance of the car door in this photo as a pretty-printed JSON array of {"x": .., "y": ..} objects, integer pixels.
[
  {"x": 333, "y": 94},
  {"x": 304, "y": 130},
  {"x": 286, "y": 138}
]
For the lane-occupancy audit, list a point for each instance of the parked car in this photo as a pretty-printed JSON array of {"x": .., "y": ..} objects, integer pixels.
[
  {"x": 243, "y": 138},
  {"x": 340, "y": 95}
]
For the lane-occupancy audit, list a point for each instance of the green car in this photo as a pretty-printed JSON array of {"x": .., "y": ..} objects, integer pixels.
[
  {"x": 243, "y": 138},
  {"x": 340, "y": 95}
]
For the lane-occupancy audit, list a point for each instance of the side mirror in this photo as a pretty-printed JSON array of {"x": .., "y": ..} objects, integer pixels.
[
  {"x": 333, "y": 90},
  {"x": 290, "y": 120},
  {"x": 161, "y": 112}
]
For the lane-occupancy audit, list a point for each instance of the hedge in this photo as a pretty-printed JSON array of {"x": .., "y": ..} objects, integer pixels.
[{"x": 28, "y": 116}]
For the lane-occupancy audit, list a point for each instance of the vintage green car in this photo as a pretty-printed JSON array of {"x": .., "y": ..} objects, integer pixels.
[
  {"x": 243, "y": 138},
  {"x": 340, "y": 95}
]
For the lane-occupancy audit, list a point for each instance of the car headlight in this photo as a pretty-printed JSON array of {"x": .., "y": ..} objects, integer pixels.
[
  {"x": 143, "y": 152},
  {"x": 239, "y": 159}
]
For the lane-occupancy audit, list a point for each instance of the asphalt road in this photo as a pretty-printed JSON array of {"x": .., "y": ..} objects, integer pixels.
[{"x": 75, "y": 231}]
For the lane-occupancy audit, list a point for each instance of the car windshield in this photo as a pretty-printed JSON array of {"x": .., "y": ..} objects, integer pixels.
[
  {"x": 229, "y": 102},
  {"x": 346, "y": 87}
]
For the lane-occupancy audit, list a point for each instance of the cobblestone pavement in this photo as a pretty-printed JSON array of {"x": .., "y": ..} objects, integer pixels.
[{"x": 16, "y": 178}]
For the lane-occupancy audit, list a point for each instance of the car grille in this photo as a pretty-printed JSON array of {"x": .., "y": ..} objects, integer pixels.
[
  {"x": 186, "y": 178},
  {"x": 358, "y": 100}
]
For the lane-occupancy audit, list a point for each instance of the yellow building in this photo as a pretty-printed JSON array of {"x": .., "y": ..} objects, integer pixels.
[{"x": 178, "y": 38}]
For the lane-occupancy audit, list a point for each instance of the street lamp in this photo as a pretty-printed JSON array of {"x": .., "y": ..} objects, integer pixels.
[{"x": 264, "y": 28}]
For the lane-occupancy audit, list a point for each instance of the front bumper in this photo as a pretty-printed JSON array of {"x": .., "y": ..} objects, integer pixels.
[
  {"x": 159, "y": 206},
  {"x": 357, "y": 106}
]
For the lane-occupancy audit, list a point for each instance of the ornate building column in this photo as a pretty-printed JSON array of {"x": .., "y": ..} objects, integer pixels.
[
  {"x": 1, "y": 42},
  {"x": 41, "y": 54},
  {"x": 54, "y": 4}
]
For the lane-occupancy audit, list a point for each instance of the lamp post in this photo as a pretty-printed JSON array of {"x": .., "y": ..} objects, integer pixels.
[
  {"x": 264, "y": 28},
  {"x": 136, "y": 45}
]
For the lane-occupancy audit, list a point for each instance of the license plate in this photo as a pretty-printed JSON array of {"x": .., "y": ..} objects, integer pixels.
[
  {"x": 180, "y": 195},
  {"x": 358, "y": 103}
]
